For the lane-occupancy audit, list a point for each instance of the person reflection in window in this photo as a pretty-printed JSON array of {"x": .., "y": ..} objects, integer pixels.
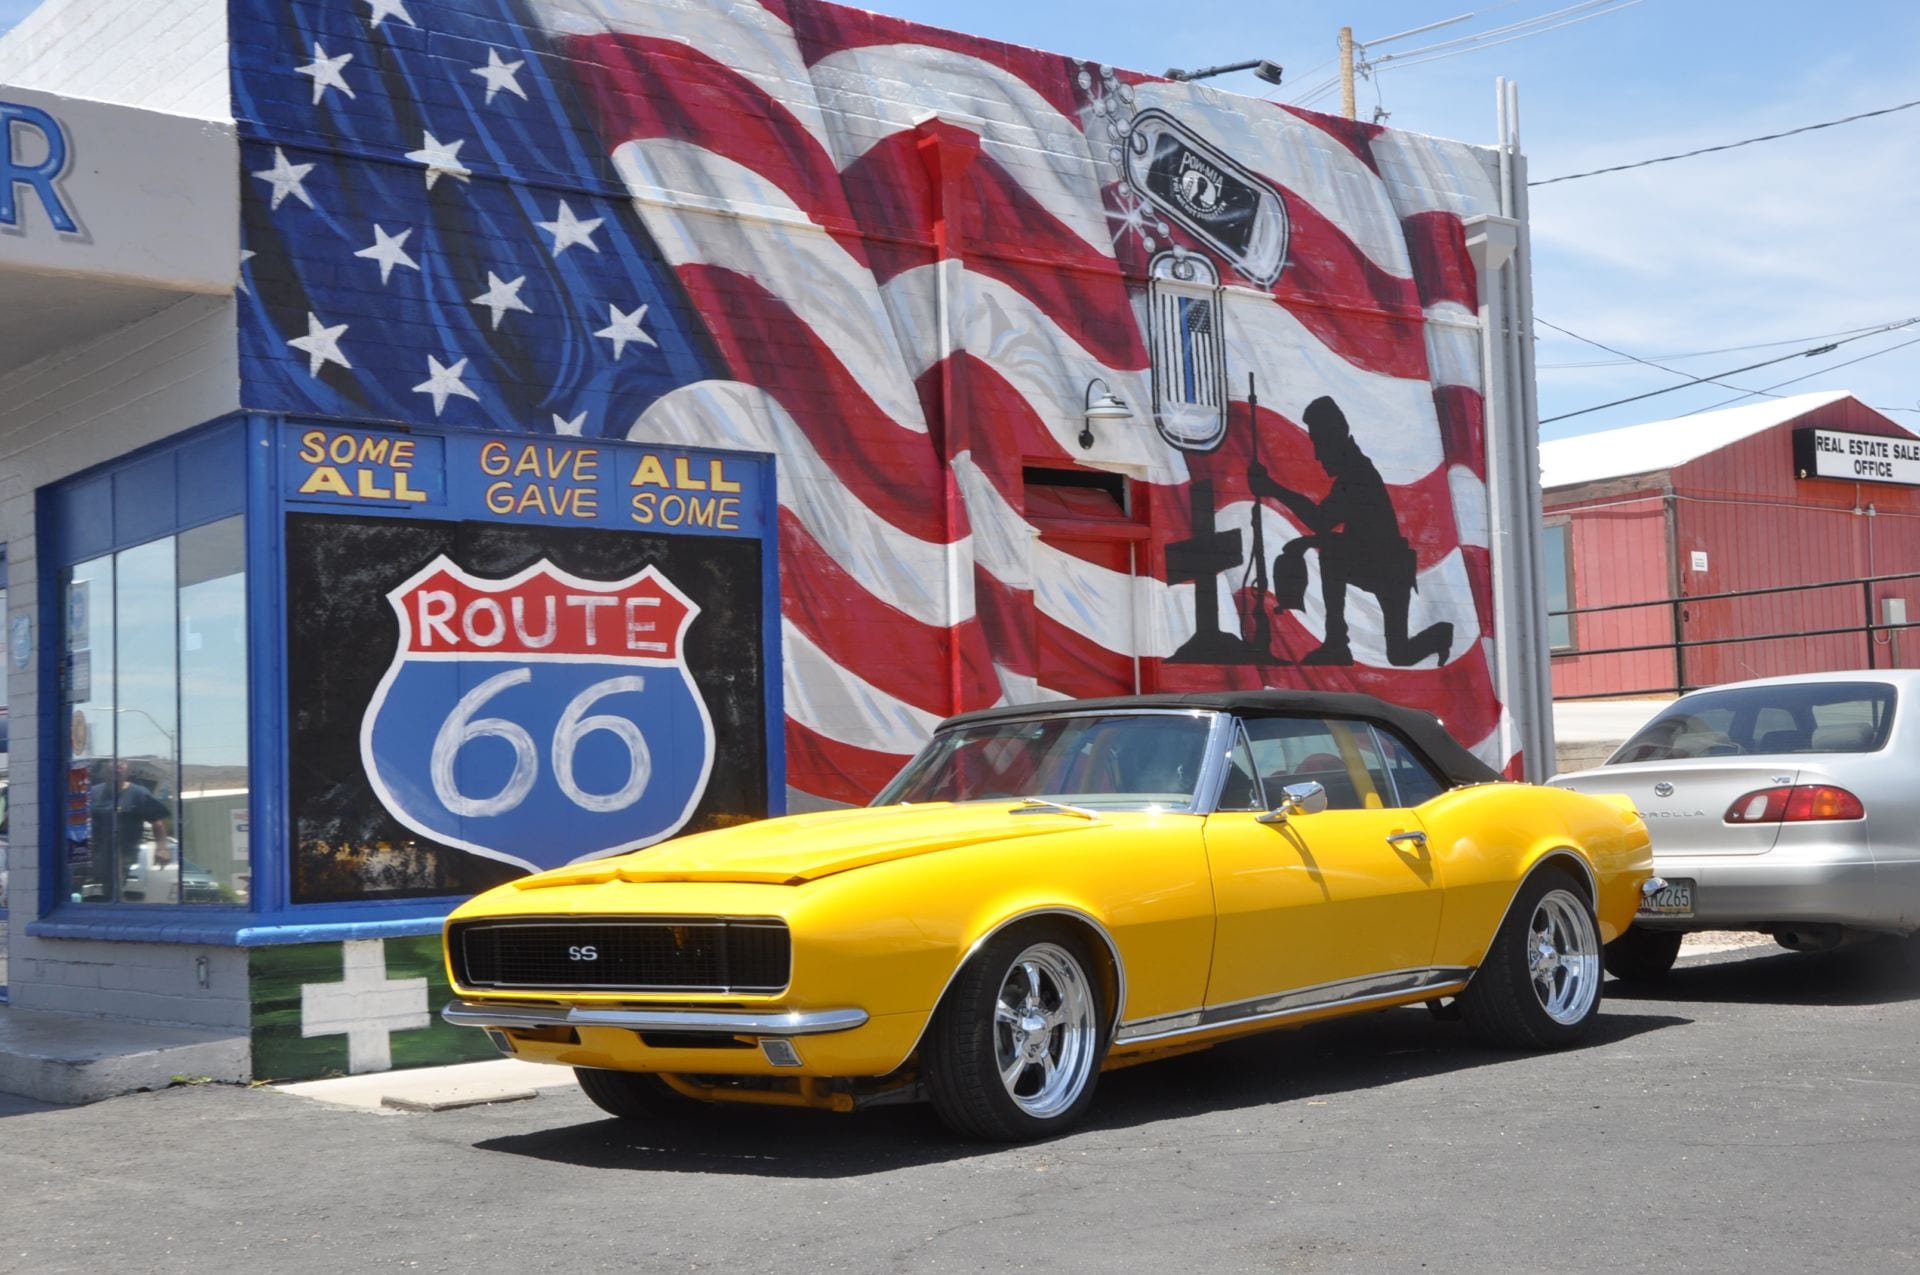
[{"x": 123, "y": 812}]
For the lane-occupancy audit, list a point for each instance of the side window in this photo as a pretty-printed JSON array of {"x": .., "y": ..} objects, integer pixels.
[
  {"x": 1241, "y": 791},
  {"x": 1414, "y": 781},
  {"x": 1294, "y": 750}
]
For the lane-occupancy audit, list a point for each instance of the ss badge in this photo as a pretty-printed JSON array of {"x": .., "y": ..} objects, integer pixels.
[{"x": 584, "y": 953}]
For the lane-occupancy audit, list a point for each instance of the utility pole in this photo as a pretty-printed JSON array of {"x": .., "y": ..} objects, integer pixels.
[{"x": 1346, "y": 71}]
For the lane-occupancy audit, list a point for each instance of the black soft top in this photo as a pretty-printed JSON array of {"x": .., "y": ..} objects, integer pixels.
[{"x": 1422, "y": 730}]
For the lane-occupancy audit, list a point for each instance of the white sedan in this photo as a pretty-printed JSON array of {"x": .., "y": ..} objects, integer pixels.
[{"x": 1789, "y": 805}]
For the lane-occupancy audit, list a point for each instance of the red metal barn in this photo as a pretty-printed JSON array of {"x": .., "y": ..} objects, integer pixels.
[{"x": 1807, "y": 498}]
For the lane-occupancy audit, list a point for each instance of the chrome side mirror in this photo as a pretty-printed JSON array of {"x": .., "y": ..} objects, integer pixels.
[{"x": 1309, "y": 798}]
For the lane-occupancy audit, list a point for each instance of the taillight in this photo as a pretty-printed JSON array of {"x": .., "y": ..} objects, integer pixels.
[{"x": 1802, "y": 803}]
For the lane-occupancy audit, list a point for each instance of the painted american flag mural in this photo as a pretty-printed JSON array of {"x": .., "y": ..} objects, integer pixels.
[{"x": 903, "y": 261}]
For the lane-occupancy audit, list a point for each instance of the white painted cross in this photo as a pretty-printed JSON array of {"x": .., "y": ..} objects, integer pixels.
[{"x": 365, "y": 1005}]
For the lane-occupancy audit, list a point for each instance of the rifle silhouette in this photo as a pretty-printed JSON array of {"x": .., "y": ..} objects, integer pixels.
[{"x": 1261, "y": 639}]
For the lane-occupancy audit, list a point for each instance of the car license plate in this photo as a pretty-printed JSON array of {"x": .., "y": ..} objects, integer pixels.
[{"x": 1675, "y": 899}]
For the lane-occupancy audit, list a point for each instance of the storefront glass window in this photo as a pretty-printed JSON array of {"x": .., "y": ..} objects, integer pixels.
[{"x": 155, "y": 701}]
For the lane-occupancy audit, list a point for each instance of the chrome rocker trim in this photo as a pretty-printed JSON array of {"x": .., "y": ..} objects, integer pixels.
[
  {"x": 720, "y": 1022},
  {"x": 1352, "y": 992}
]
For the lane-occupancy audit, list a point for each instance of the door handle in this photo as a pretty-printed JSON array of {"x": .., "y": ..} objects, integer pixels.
[{"x": 1418, "y": 840}]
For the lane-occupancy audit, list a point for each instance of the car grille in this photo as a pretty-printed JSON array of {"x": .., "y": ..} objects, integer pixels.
[{"x": 652, "y": 955}]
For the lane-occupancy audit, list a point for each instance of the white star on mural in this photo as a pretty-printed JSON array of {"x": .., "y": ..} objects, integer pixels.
[
  {"x": 561, "y": 425},
  {"x": 390, "y": 9},
  {"x": 502, "y": 296},
  {"x": 441, "y": 158},
  {"x": 286, "y": 178},
  {"x": 568, "y": 230},
  {"x": 624, "y": 328},
  {"x": 500, "y": 75},
  {"x": 444, "y": 383},
  {"x": 389, "y": 251},
  {"x": 246, "y": 255},
  {"x": 321, "y": 345},
  {"x": 326, "y": 72}
]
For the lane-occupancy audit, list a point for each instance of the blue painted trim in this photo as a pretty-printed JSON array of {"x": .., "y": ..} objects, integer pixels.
[
  {"x": 48, "y": 748},
  {"x": 272, "y": 831},
  {"x": 80, "y": 921},
  {"x": 772, "y": 643}
]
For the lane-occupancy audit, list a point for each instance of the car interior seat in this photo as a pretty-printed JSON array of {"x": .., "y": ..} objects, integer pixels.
[
  {"x": 1850, "y": 737},
  {"x": 1782, "y": 741}
]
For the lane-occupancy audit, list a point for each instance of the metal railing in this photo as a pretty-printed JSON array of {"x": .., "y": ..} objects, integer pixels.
[{"x": 1678, "y": 646}]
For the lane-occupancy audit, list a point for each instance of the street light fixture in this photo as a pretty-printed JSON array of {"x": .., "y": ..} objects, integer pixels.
[{"x": 1268, "y": 71}]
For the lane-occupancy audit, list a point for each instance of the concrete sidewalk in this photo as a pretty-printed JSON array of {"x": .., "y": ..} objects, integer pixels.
[{"x": 436, "y": 1088}]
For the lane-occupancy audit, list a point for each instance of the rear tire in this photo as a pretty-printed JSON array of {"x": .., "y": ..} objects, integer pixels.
[
  {"x": 631, "y": 1095},
  {"x": 1014, "y": 1050},
  {"x": 1539, "y": 987},
  {"x": 1643, "y": 956}
]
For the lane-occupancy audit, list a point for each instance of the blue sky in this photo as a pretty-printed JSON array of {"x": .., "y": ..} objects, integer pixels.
[{"x": 1793, "y": 239}]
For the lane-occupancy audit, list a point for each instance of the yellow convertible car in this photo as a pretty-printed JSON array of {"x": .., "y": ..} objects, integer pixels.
[{"x": 1053, "y": 890}]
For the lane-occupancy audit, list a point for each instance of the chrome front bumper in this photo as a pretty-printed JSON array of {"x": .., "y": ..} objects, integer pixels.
[{"x": 718, "y": 1022}]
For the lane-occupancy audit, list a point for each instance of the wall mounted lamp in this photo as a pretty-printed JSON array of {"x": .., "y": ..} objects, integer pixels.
[
  {"x": 1108, "y": 407},
  {"x": 1268, "y": 71}
]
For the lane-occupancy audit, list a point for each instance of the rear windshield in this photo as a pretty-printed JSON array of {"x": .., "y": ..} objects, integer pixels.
[{"x": 1795, "y": 717}]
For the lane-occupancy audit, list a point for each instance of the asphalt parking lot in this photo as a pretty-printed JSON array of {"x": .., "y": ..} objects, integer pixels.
[{"x": 1759, "y": 1112}]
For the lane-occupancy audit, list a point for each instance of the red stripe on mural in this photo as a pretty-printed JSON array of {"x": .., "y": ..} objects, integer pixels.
[
  {"x": 1442, "y": 267},
  {"x": 1355, "y": 135},
  {"x": 889, "y": 649},
  {"x": 823, "y": 767},
  {"x": 1077, "y": 286},
  {"x": 1460, "y": 694},
  {"x": 885, "y": 466},
  {"x": 825, "y": 29},
  {"x": 644, "y": 88},
  {"x": 1463, "y": 436}
]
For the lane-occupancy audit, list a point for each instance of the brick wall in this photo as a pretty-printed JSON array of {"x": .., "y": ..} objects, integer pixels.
[
  {"x": 165, "y": 55},
  {"x": 64, "y": 414}
]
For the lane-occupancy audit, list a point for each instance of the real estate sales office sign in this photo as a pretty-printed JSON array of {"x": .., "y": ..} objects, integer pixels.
[{"x": 1866, "y": 458}]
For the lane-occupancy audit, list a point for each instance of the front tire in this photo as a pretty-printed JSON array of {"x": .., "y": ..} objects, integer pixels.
[
  {"x": 1539, "y": 987},
  {"x": 1015, "y": 1048},
  {"x": 1643, "y": 956},
  {"x": 631, "y": 1095}
]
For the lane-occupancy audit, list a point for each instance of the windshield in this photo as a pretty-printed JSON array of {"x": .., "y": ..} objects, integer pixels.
[
  {"x": 1126, "y": 760},
  {"x": 1792, "y": 717}
]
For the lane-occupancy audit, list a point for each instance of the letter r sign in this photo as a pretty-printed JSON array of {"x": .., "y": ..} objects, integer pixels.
[{"x": 17, "y": 122}]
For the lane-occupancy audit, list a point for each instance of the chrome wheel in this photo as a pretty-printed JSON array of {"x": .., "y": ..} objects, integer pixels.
[
  {"x": 1045, "y": 1030},
  {"x": 1563, "y": 956}
]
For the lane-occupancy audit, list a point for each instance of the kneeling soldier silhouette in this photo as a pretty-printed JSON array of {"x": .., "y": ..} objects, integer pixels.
[{"x": 1358, "y": 538}]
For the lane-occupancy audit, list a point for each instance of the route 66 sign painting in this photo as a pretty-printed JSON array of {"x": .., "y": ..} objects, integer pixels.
[{"x": 539, "y": 719}]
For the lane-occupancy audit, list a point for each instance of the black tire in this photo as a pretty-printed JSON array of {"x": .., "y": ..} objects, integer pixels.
[
  {"x": 631, "y": 1095},
  {"x": 1643, "y": 956},
  {"x": 1516, "y": 1002},
  {"x": 962, "y": 1056}
]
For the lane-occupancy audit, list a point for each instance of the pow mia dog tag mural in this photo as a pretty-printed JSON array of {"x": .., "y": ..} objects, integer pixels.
[{"x": 539, "y": 719}]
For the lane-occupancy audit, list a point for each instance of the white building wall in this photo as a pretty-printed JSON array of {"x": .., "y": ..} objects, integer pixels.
[
  {"x": 66, "y": 413},
  {"x": 165, "y": 55}
]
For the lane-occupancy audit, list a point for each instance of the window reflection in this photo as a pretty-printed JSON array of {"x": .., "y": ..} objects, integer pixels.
[
  {"x": 215, "y": 856},
  {"x": 155, "y": 701}
]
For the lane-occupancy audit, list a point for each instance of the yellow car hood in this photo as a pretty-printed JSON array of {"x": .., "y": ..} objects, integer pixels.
[{"x": 801, "y": 848}]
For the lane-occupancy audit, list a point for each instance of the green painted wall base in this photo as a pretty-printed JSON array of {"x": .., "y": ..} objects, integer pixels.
[{"x": 330, "y": 1009}]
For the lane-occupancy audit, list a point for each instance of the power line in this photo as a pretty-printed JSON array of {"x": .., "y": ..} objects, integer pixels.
[
  {"x": 1473, "y": 43},
  {"x": 1708, "y": 150},
  {"x": 1822, "y": 372},
  {"x": 1622, "y": 353},
  {"x": 1696, "y": 354},
  {"x": 1828, "y": 348}
]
